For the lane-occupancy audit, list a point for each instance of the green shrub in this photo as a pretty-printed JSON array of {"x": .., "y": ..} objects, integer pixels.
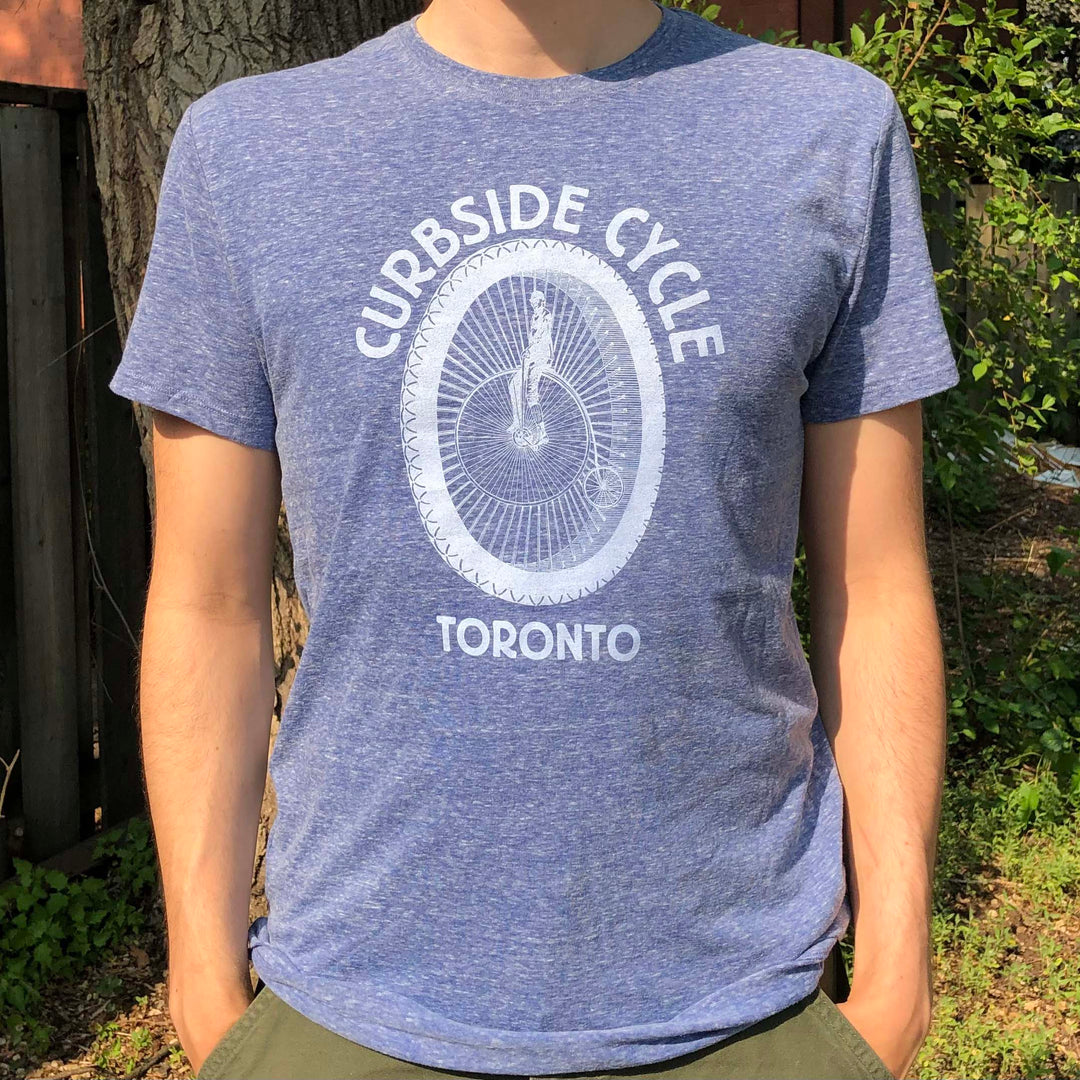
[
  {"x": 989, "y": 103},
  {"x": 53, "y": 925},
  {"x": 1018, "y": 685}
]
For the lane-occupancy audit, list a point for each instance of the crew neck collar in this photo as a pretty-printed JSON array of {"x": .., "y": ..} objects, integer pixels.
[{"x": 452, "y": 72}]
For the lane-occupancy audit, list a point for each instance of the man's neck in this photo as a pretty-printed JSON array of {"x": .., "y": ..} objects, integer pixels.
[{"x": 537, "y": 38}]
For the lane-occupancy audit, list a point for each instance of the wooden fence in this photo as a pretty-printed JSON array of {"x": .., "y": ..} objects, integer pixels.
[{"x": 73, "y": 507}]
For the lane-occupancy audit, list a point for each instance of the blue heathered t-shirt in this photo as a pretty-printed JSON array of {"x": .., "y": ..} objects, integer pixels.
[{"x": 535, "y": 355}]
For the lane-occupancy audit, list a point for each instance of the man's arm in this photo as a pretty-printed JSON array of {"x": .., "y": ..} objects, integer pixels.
[
  {"x": 877, "y": 664},
  {"x": 206, "y": 698}
]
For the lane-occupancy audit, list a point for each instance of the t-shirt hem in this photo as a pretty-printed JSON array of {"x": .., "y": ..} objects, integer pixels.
[
  {"x": 877, "y": 399},
  {"x": 178, "y": 402},
  {"x": 707, "y": 1022}
]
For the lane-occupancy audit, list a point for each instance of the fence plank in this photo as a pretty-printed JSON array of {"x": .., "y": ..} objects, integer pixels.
[
  {"x": 41, "y": 476},
  {"x": 119, "y": 536},
  {"x": 83, "y": 478},
  {"x": 9, "y": 729},
  {"x": 1065, "y": 199}
]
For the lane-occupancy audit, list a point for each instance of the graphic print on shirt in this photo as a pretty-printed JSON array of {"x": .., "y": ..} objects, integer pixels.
[{"x": 533, "y": 421}]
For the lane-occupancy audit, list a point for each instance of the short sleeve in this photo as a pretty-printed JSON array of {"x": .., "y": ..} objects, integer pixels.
[
  {"x": 888, "y": 344},
  {"x": 192, "y": 349}
]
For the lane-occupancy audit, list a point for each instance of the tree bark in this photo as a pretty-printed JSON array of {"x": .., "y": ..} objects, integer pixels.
[{"x": 144, "y": 64}]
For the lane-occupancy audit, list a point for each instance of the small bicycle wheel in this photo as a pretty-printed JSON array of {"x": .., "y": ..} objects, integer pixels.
[{"x": 603, "y": 487}]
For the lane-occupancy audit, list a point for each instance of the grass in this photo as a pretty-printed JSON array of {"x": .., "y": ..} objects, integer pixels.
[{"x": 1006, "y": 930}]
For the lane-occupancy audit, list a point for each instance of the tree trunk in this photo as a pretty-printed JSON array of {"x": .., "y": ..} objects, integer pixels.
[{"x": 144, "y": 64}]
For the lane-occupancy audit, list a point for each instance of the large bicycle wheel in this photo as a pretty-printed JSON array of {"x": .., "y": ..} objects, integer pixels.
[{"x": 551, "y": 512}]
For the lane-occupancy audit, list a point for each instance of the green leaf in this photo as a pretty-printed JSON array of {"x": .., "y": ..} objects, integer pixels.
[
  {"x": 1056, "y": 558},
  {"x": 56, "y": 879},
  {"x": 1051, "y": 740},
  {"x": 858, "y": 38},
  {"x": 979, "y": 370},
  {"x": 57, "y": 902}
]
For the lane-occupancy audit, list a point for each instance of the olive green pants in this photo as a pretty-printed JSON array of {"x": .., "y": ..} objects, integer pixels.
[{"x": 810, "y": 1040}]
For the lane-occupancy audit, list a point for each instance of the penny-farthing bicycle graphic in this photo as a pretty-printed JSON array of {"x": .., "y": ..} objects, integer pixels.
[{"x": 532, "y": 416}]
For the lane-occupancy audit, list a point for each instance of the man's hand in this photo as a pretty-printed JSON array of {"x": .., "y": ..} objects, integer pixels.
[
  {"x": 876, "y": 658},
  {"x": 891, "y": 1006},
  {"x": 896, "y": 1028},
  {"x": 206, "y": 700},
  {"x": 202, "y": 1019}
]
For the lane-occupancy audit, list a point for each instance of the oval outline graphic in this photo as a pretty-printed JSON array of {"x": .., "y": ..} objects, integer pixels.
[{"x": 448, "y": 533}]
